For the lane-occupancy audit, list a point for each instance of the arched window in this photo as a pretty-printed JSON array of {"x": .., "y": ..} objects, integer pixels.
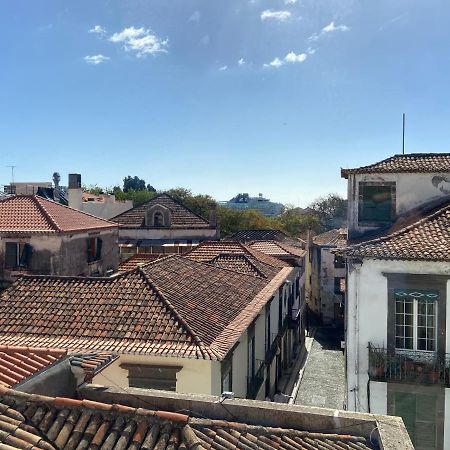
[{"x": 158, "y": 219}]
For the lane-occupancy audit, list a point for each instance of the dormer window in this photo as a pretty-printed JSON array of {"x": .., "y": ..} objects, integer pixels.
[
  {"x": 376, "y": 203},
  {"x": 158, "y": 219}
]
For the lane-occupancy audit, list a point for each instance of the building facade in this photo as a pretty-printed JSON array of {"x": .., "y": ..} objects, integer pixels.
[
  {"x": 398, "y": 272},
  {"x": 39, "y": 236},
  {"x": 163, "y": 225},
  {"x": 326, "y": 275}
]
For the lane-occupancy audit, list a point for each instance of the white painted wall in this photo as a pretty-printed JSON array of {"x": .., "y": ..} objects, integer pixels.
[
  {"x": 378, "y": 397},
  {"x": 412, "y": 190},
  {"x": 447, "y": 420},
  {"x": 166, "y": 233},
  {"x": 367, "y": 318}
]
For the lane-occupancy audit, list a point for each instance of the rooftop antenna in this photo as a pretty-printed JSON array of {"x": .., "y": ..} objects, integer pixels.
[
  {"x": 12, "y": 173},
  {"x": 404, "y": 120}
]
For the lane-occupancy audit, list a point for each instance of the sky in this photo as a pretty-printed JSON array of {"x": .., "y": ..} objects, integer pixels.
[{"x": 222, "y": 97}]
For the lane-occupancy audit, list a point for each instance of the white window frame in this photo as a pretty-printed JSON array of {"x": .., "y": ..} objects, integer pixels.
[{"x": 415, "y": 348}]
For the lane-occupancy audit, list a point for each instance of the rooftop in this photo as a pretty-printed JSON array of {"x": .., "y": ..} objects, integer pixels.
[
  {"x": 35, "y": 421},
  {"x": 332, "y": 238},
  {"x": 34, "y": 214},
  {"x": 181, "y": 216},
  {"x": 171, "y": 307},
  {"x": 427, "y": 239},
  {"x": 19, "y": 363},
  {"x": 256, "y": 235},
  {"x": 277, "y": 249},
  {"x": 139, "y": 259},
  {"x": 409, "y": 163},
  {"x": 209, "y": 250}
]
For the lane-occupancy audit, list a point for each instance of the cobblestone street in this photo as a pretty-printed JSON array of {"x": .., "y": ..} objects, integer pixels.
[{"x": 323, "y": 379}]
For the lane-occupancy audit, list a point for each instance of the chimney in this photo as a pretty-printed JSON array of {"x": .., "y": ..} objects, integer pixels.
[
  {"x": 74, "y": 191},
  {"x": 213, "y": 216}
]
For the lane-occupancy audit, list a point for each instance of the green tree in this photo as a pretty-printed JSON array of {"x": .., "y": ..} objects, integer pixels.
[
  {"x": 296, "y": 224},
  {"x": 134, "y": 183},
  {"x": 331, "y": 210},
  {"x": 201, "y": 204},
  {"x": 92, "y": 189}
]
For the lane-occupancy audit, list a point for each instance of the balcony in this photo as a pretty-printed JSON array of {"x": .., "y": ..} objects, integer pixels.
[
  {"x": 255, "y": 381},
  {"x": 294, "y": 318},
  {"x": 408, "y": 366}
]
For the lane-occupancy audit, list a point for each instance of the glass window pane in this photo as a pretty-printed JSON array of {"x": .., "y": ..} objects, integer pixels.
[
  {"x": 430, "y": 321},
  {"x": 400, "y": 319},
  {"x": 409, "y": 308},
  {"x": 422, "y": 308},
  {"x": 409, "y": 343},
  {"x": 421, "y": 332},
  {"x": 399, "y": 306},
  {"x": 399, "y": 342},
  {"x": 409, "y": 332},
  {"x": 421, "y": 320},
  {"x": 409, "y": 320},
  {"x": 421, "y": 344}
]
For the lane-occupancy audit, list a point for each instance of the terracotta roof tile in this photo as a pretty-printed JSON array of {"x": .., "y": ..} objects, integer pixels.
[
  {"x": 48, "y": 423},
  {"x": 138, "y": 259},
  {"x": 34, "y": 214},
  {"x": 173, "y": 306},
  {"x": 208, "y": 250},
  {"x": 428, "y": 239},
  {"x": 409, "y": 163},
  {"x": 277, "y": 249},
  {"x": 332, "y": 238},
  {"x": 182, "y": 217}
]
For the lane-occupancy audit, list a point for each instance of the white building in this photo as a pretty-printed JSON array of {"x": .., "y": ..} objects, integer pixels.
[{"x": 397, "y": 341}]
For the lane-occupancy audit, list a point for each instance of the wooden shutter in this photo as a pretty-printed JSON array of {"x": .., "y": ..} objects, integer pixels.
[{"x": 99, "y": 248}]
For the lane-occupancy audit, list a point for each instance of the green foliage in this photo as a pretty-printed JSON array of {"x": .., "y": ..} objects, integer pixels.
[
  {"x": 232, "y": 220},
  {"x": 133, "y": 183},
  {"x": 296, "y": 224},
  {"x": 92, "y": 189},
  {"x": 200, "y": 204},
  {"x": 331, "y": 211}
]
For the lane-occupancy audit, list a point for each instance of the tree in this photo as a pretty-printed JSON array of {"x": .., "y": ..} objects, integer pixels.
[
  {"x": 232, "y": 220},
  {"x": 92, "y": 189},
  {"x": 201, "y": 204},
  {"x": 134, "y": 183},
  {"x": 331, "y": 211}
]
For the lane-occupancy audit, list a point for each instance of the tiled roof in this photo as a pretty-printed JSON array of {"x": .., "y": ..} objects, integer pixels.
[
  {"x": 181, "y": 216},
  {"x": 409, "y": 163},
  {"x": 428, "y": 239},
  {"x": 39, "y": 422},
  {"x": 18, "y": 363},
  {"x": 139, "y": 259},
  {"x": 332, "y": 238},
  {"x": 208, "y": 250},
  {"x": 277, "y": 249},
  {"x": 34, "y": 214},
  {"x": 173, "y": 306},
  {"x": 257, "y": 235},
  {"x": 238, "y": 262},
  {"x": 217, "y": 304}
]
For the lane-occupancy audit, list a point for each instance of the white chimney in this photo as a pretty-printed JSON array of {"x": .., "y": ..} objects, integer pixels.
[{"x": 74, "y": 191}]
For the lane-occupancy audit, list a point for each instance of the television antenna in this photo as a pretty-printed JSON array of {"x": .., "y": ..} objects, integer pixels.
[{"x": 12, "y": 173}]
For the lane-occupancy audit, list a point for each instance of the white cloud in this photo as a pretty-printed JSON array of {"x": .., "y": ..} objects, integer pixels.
[
  {"x": 96, "y": 59},
  {"x": 279, "y": 16},
  {"x": 195, "y": 17},
  {"x": 330, "y": 28},
  {"x": 223, "y": 68},
  {"x": 98, "y": 29},
  {"x": 290, "y": 58},
  {"x": 241, "y": 62},
  {"x": 290, "y": 2},
  {"x": 142, "y": 41}
]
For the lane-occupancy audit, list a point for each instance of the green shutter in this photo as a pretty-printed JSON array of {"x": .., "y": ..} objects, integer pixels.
[{"x": 405, "y": 407}]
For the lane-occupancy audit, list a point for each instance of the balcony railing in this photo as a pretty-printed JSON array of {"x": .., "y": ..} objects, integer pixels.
[
  {"x": 408, "y": 366},
  {"x": 254, "y": 382},
  {"x": 272, "y": 347},
  {"x": 294, "y": 318}
]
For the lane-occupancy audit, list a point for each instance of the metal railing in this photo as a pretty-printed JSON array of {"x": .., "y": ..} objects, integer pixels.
[
  {"x": 294, "y": 318},
  {"x": 255, "y": 381},
  {"x": 408, "y": 366},
  {"x": 272, "y": 347}
]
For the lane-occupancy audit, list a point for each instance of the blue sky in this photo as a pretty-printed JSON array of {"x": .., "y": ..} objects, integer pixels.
[{"x": 155, "y": 89}]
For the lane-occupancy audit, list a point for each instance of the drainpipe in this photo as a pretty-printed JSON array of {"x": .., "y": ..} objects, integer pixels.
[{"x": 356, "y": 265}]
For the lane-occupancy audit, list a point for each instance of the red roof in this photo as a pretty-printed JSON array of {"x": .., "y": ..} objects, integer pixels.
[
  {"x": 34, "y": 214},
  {"x": 18, "y": 363}
]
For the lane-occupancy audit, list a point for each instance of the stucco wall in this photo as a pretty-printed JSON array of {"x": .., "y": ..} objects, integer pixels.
[
  {"x": 167, "y": 233},
  {"x": 367, "y": 311},
  {"x": 195, "y": 376},
  {"x": 106, "y": 210},
  {"x": 412, "y": 190}
]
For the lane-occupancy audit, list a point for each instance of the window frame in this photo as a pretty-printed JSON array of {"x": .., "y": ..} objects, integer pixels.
[
  {"x": 133, "y": 376},
  {"x": 376, "y": 223},
  {"x": 96, "y": 254}
]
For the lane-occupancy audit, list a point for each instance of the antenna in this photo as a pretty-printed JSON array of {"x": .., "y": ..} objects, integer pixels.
[
  {"x": 404, "y": 121},
  {"x": 12, "y": 173}
]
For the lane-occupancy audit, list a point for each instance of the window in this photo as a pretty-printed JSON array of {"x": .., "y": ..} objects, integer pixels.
[
  {"x": 158, "y": 219},
  {"x": 251, "y": 352},
  {"x": 17, "y": 255},
  {"x": 339, "y": 262},
  {"x": 268, "y": 328},
  {"x": 415, "y": 319},
  {"x": 376, "y": 203},
  {"x": 94, "y": 249},
  {"x": 339, "y": 285},
  {"x": 227, "y": 375},
  {"x": 152, "y": 377}
]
